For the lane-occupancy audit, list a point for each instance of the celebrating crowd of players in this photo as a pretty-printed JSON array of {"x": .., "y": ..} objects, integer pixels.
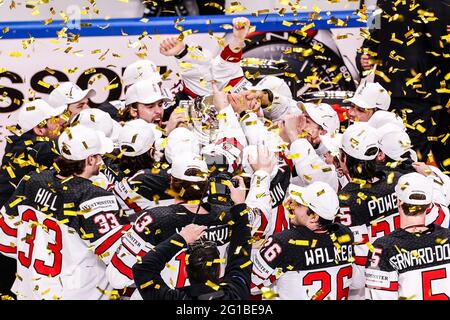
[{"x": 278, "y": 201}]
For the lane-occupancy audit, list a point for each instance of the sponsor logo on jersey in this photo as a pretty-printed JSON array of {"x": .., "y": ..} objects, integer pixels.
[
  {"x": 377, "y": 278},
  {"x": 99, "y": 204}
]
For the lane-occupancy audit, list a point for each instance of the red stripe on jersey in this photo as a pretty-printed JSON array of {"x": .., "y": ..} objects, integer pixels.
[
  {"x": 7, "y": 229},
  {"x": 189, "y": 92},
  {"x": 122, "y": 267},
  {"x": 288, "y": 161},
  {"x": 365, "y": 239},
  {"x": 8, "y": 249},
  {"x": 258, "y": 233},
  {"x": 441, "y": 214},
  {"x": 228, "y": 55},
  {"x": 234, "y": 81},
  {"x": 111, "y": 240},
  {"x": 281, "y": 222},
  {"x": 392, "y": 287},
  {"x": 140, "y": 253},
  {"x": 360, "y": 260},
  {"x": 132, "y": 205},
  {"x": 233, "y": 141}
]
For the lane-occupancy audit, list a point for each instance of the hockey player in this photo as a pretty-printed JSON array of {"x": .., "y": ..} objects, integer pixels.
[
  {"x": 368, "y": 98},
  {"x": 199, "y": 67},
  {"x": 148, "y": 182},
  {"x": 189, "y": 182},
  {"x": 72, "y": 96},
  {"x": 412, "y": 262},
  {"x": 30, "y": 148},
  {"x": 203, "y": 269},
  {"x": 62, "y": 229},
  {"x": 315, "y": 255},
  {"x": 134, "y": 72},
  {"x": 367, "y": 202}
]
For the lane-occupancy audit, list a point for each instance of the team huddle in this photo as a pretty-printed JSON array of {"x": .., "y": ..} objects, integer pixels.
[{"x": 287, "y": 199}]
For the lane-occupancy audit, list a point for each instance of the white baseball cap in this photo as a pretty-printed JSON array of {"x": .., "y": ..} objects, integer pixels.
[
  {"x": 394, "y": 141},
  {"x": 141, "y": 70},
  {"x": 414, "y": 185},
  {"x": 99, "y": 120},
  {"x": 80, "y": 142},
  {"x": 34, "y": 112},
  {"x": 332, "y": 142},
  {"x": 382, "y": 117},
  {"x": 324, "y": 115},
  {"x": 145, "y": 91},
  {"x": 274, "y": 84},
  {"x": 318, "y": 196},
  {"x": 371, "y": 95},
  {"x": 181, "y": 164},
  {"x": 181, "y": 141},
  {"x": 136, "y": 137},
  {"x": 360, "y": 141},
  {"x": 67, "y": 93}
]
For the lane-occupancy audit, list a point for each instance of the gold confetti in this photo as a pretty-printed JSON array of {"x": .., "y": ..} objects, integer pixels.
[
  {"x": 145, "y": 285},
  {"x": 304, "y": 243},
  {"x": 177, "y": 243},
  {"x": 212, "y": 285}
]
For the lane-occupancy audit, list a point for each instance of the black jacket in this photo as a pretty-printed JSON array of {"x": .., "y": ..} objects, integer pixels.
[
  {"x": 23, "y": 154},
  {"x": 236, "y": 281},
  {"x": 416, "y": 51}
]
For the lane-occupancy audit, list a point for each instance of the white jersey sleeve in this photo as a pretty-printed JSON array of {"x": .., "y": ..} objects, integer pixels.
[
  {"x": 309, "y": 166},
  {"x": 259, "y": 202},
  {"x": 8, "y": 234}
]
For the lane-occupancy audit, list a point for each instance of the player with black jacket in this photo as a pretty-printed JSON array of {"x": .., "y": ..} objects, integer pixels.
[
  {"x": 202, "y": 268},
  {"x": 61, "y": 229},
  {"x": 368, "y": 201},
  {"x": 189, "y": 183},
  {"x": 412, "y": 262}
]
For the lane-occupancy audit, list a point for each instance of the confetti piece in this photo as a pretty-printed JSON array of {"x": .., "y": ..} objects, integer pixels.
[
  {"x": 145, "y": 285},
  {"x": 304, "y": 243},
  {"x": 177, "y": 243},
  {"x": 212, "y": 285}
]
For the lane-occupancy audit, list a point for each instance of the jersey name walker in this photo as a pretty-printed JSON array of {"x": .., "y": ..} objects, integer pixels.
[{"x": 314, "y": 265}]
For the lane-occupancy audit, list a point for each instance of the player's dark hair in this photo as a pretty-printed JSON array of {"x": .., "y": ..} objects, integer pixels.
[
  {"x": 68, "y": 167},
  {"x": 360, "y": 169},
  {"x": 414, "y": 209},
  {"x": 124, "y": 114},
  {"x": 321, "y": 222},
  {"x": 131, "y": 165},
  {"x": 406, "y": 156},
  {"x": 202, "y": 264},
  {"x": 188, "y": 190}
]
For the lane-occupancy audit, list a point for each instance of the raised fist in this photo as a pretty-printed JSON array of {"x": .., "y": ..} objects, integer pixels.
[{"x": 171, "y": 47}]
